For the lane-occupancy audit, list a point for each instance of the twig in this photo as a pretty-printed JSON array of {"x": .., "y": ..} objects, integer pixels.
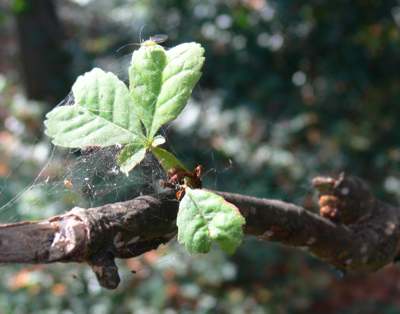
[{"x": 354, "y": 231}]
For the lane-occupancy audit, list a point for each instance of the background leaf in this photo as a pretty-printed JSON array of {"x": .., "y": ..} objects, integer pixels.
[
  {"x": 161, "y": 82},
  {"x": 102, "y": 114},
  {"x": 204, "y": 217}
]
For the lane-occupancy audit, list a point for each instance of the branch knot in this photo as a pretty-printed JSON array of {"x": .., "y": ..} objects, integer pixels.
[{"x": 343, "y": 200}]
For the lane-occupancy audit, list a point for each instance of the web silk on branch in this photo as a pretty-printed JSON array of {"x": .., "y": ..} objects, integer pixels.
[{"x": 70, "y": 177}]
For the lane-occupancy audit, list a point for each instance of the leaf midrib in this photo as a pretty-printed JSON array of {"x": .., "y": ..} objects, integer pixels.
[
  {"x": 151, "y": 132},
  {"x": 140, "y": 136},
  {"x": 201, "y": 215}
]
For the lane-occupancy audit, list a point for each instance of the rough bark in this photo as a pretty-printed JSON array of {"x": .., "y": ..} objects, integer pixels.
[{"x": 353, "y": 231}]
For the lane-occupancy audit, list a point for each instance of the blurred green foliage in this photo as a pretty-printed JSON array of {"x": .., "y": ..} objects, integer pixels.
[
  {"x": 290, "y": 89},
  {"x": 19, "y": 6}
]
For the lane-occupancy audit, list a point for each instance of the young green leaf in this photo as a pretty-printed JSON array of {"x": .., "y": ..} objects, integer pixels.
[
  {"x": 130, "y": 156},
  {"x": 145, "y": 80},
  {"x": 161, "y": 82},
  {"x": 102, "y": 115},
  {"x": 158, "y": 140},
  {"x": 167, "y": 160},
  {"x": 204, "y": 217}
]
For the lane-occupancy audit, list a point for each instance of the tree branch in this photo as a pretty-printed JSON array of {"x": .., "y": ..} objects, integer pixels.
[{"x": 353, "y": 231}]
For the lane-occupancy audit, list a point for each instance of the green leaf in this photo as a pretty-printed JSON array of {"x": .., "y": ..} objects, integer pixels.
[
  {"x": 158, "y": 140},
  {"x": 167, "y": 160},
  {"x": 145, "y": 80},
  {"x": 130, "y": 156},
  {"x": 161, "y": 82},
  {"x": 102, "y": 114},
  {"x": 205, "y": 217}
]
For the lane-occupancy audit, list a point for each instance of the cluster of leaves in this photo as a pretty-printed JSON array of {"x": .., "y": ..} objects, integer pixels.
[{"x": 105, "y": 113}]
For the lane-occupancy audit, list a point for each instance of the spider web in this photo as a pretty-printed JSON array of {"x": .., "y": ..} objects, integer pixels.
[
  {"x": 73, "y": 177},
  {"x": 65, "y": 178}
]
